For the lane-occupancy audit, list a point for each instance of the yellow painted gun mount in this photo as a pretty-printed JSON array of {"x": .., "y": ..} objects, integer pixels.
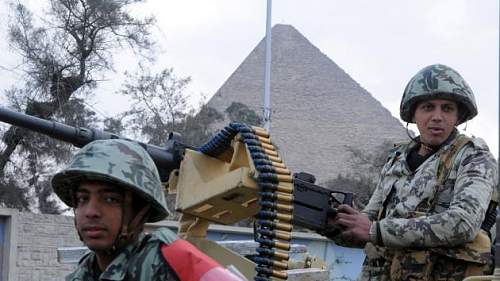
[
  {"x": 223, "y": 189},
  {"x": 238, "y": 176},
  {"x": 220, "y": 190}
]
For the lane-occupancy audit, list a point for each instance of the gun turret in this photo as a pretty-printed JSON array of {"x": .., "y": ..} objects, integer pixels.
[
  {"x": 166, "y": 159},
  {"x": 235, "y": 175}
]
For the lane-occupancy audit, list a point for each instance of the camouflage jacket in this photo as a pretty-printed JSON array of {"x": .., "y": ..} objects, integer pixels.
[
  {"x": 420, "y": 214},
  {"x": 140, "y": 261}
]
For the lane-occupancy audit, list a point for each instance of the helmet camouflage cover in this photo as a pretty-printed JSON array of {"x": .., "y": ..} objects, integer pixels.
[
  {"x": 120, "y": 162},
  {"x": 437, "y": 81}
]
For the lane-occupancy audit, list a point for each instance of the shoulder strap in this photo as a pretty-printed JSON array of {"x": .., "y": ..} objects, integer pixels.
[{"x": 447, "y": 158}]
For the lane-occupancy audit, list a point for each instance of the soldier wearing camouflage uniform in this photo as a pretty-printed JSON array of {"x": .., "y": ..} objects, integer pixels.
[
  {"x": 114, "y": 188},
  {"x": 428, "y": 216}
]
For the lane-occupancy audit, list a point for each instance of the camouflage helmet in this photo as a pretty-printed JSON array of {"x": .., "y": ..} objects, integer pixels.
[
  {"x": 119, "y": 162},
  {"x": 437, "y": 81}
]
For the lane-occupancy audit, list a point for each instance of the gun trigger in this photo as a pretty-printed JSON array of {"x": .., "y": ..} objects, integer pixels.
[{"x": 332, "y": 212}]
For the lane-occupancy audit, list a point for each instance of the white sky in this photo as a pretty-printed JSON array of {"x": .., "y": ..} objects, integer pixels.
[{"x": 381, "y": 44}]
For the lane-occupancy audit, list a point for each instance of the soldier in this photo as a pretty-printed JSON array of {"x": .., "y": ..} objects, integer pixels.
[
  {"x": 430, "y": 214},
  {"x": 114, "y": 188}
]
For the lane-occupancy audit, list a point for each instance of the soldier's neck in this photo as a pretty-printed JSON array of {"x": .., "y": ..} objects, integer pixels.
[
  {"x": 425, "y": 150},
  {"x": 104, "y": 259}
]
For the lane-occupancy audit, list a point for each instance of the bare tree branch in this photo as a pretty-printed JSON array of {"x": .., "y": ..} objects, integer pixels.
[{"x": 62, "y": 51}]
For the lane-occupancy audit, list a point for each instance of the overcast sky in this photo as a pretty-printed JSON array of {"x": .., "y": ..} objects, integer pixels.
[{"x": 380, "y": 44}]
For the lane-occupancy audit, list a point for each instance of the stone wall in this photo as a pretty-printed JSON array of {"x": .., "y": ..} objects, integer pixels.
[{"x": 35, "y": 238}]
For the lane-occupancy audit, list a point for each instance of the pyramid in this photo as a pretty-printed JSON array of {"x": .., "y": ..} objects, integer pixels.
[{"x": 318, "y": 110}]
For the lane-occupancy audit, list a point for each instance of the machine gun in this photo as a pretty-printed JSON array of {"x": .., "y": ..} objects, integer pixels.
[{"x": 236, "y": 175}]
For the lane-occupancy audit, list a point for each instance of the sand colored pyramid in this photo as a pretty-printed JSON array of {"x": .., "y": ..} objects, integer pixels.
[{"x": 317, "y": 109}]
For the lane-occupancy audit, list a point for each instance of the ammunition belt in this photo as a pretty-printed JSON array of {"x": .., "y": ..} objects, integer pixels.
[{"x": 273, "y": 227}]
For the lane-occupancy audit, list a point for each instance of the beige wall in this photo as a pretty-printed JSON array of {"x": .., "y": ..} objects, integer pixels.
[{"x": 32, "y": 240}]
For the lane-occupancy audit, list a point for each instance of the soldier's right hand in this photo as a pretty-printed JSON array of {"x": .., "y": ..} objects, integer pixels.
[{"x": 354, "y": 225}]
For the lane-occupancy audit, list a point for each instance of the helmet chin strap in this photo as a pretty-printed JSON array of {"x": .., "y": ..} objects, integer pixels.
[
  {"x": 131, "y": 227},
  {"x": 427, "y": 147},
  {"x": 408, "y": 133},
  {"x": 74, "y": 204}
]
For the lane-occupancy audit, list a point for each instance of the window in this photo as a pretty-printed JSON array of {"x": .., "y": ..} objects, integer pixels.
[
  {"x": 8, "y": 240},
  {"x": 2, "y": 245}
]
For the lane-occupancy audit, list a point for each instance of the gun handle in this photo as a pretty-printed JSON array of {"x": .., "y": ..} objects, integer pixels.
[{"x": 348, "y": 198}]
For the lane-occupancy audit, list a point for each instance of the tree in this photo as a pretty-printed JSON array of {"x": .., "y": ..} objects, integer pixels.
[
  {"x": 197, "y": 128},
  {"x": 160, "y": 107},
  {"x": 64, "y": 54},
  {"x": 362, "y": 181},
  {"x": 239, "y": 112},
  {"x": 158, "y": 103},
  {"x": 12, "y": 195}
]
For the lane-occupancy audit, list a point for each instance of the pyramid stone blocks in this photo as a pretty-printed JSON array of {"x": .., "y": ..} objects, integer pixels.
[{"x": 317, "y": 109}]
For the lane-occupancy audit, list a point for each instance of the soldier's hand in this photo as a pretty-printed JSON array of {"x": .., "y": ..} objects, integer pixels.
[
  {"x": 332, "y": 230},
  {"x": 355, "y": 225}
]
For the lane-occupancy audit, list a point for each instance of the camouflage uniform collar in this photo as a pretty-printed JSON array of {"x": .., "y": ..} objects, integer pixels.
[
  {"x": 117, "y": 269},
  {"x": 414, "y": 160}
]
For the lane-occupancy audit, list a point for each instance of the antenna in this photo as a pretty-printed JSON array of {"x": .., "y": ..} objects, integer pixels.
[{"x": 266, "y": 120}]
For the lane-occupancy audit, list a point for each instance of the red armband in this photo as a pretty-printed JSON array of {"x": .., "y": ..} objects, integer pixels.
[{"x": 190, "y": 264}]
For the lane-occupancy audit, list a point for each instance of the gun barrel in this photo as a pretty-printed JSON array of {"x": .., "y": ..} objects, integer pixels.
[
  {"x": 74, "y": 135},
  {"x": 165, "y": 161}
]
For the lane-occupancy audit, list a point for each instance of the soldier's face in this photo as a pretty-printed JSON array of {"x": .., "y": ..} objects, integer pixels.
[
  {"x": 435, "y": 120},
  {"x": 98, "y": 214}
]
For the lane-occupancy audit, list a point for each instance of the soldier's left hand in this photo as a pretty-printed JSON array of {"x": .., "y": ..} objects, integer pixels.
[{"x": 355, "y": 224}]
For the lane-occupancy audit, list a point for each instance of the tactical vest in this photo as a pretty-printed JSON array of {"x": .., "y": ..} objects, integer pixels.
[
  {"x": 476, "y": 252},
  {"x": 479, "y": 249}
]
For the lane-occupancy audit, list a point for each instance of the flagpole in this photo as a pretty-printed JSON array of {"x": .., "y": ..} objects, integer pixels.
[{"x": 266, "y": 120}]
